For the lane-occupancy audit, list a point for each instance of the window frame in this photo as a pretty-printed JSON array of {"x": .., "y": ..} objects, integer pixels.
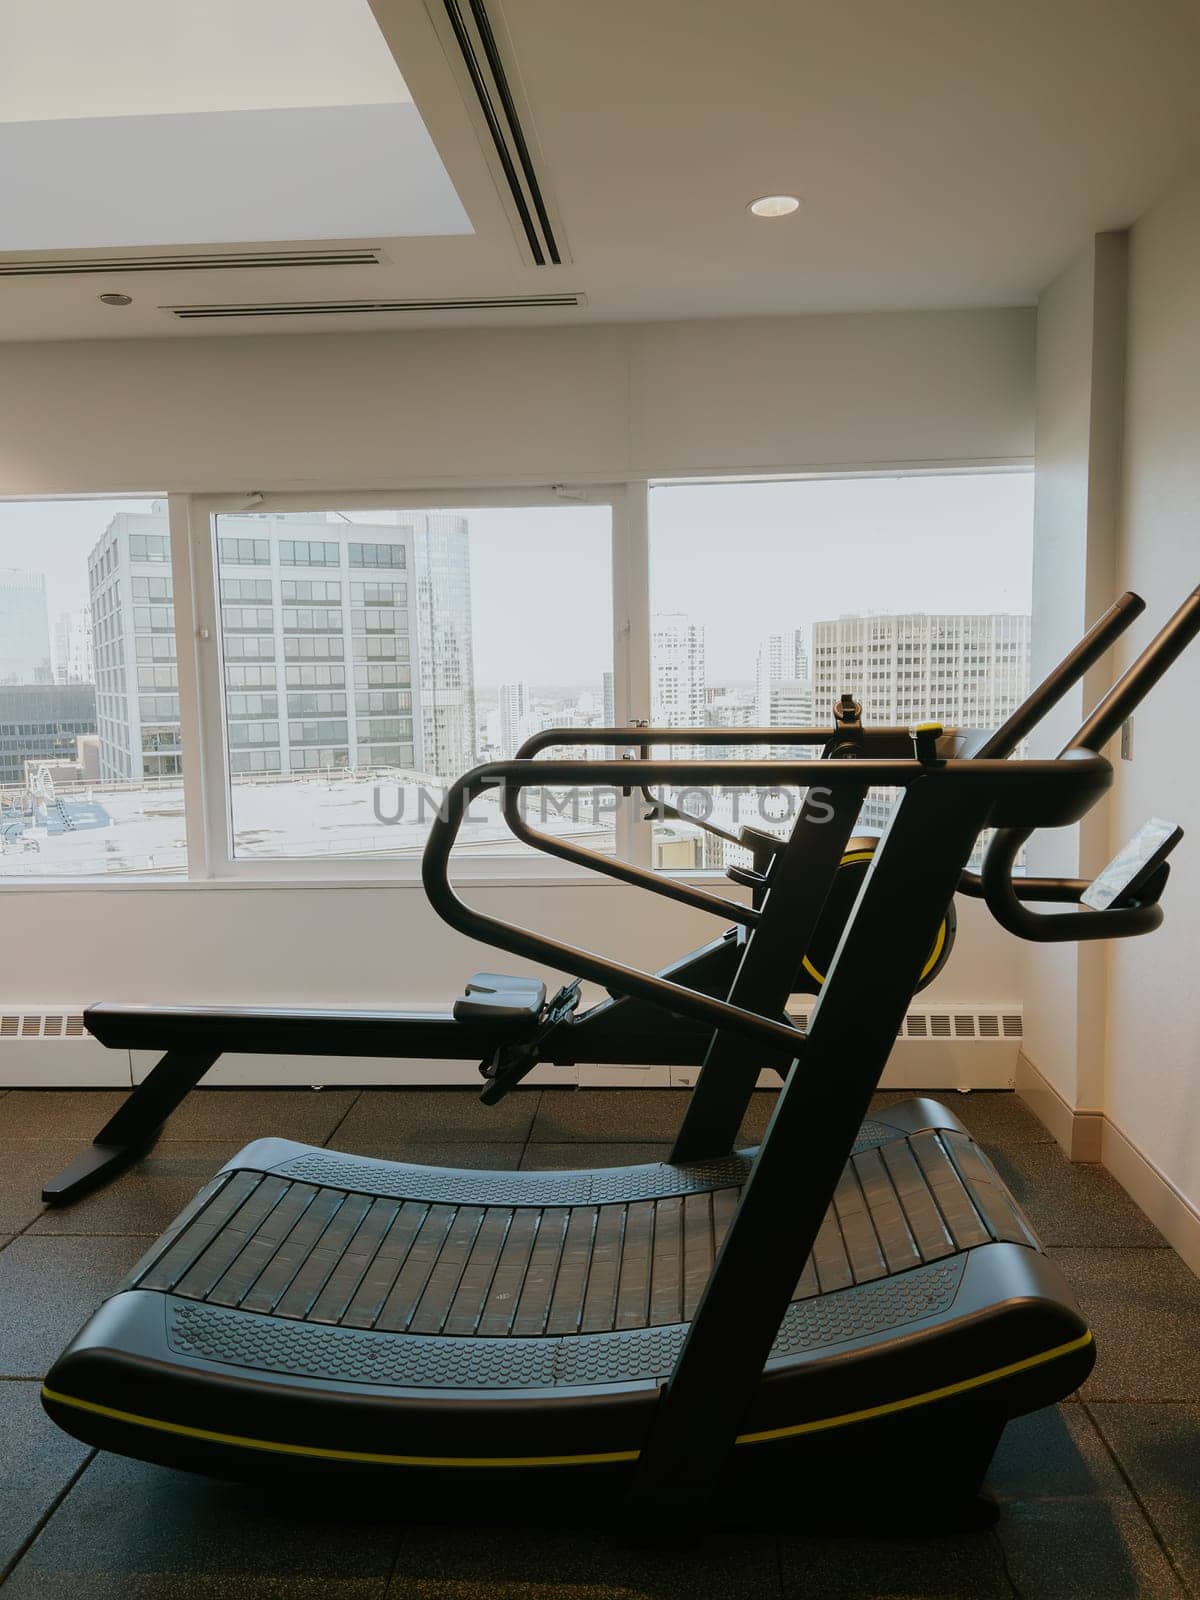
[{"x": 203, "y": 733}]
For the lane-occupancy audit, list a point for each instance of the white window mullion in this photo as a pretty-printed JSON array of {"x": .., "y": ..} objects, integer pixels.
[
  {"x": 210, "y": 702},
  {"x": 631, "y": 644}
]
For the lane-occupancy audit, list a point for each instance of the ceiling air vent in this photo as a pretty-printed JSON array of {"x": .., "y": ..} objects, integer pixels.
[
  {"x": 193, "y": 261},
  {"x": 471, "y": 43},
  {"x": 357, "y": 308}
]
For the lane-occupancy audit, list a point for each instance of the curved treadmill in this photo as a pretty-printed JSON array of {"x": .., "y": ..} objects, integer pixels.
[{"x": 515, "y": 1329}]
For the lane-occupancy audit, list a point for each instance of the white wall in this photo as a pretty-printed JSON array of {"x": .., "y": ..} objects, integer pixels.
[
  {"x": 1080, "y": 358},
  {"x": 476, "y": 407},
  {"x": 1152, "y": 1090},
  {"x": 523, "y": 405}
]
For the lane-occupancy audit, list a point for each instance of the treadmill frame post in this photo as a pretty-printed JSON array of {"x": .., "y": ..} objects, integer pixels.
[
  {"x": 796, "y": 891},
  {"x": 807, "y": 1144}
]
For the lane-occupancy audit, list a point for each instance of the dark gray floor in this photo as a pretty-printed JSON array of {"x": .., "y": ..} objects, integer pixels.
[{"x": 1100, "y": 1497}]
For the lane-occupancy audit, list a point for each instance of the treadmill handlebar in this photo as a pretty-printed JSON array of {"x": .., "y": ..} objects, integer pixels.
[
  {"x": 996, "y": 884},
  {"x": 1025, "y": 793},
  {"x": 885, "y": 741}
]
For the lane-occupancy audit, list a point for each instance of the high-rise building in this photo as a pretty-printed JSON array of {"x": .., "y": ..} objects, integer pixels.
[
  {"x": 24, "y": 628},
  {"x": 677, "y": 667},
  {"x": 445, "y": 646},
  {"x": 514, "y": 717},
  {"x": 317, "y": 620},
  {"x": 789, "y": 705},
  {"x": 782, "y": 657},
  {"x": 609, "y": 697},
  {"x": 966, "y": 670},
  {"x": 73, "y": 647}
]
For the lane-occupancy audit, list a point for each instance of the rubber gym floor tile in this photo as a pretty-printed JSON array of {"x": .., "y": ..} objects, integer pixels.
[
  {"x": 561, "y": 1157},
  {"x": 206, "y": 1114},
  {"x": 1144, "y": 1308},
  {"x": 438, "y": 1153},
  {"x": 995, "y": 1116},
  {"x": 36, "y": 1464},
  {"x": 25, "y": 1166},
  {"x": 1068, "y": 1522},
  {"x": 1158, "y": 1448},
  {"x": 536, "y": 1564},
  {"x": 57, "y": 1113},
  {"x": 48, "y": 1287},
  {"x": 1041, "y": 1456},
  {"x": 948, "y": 1567},
  {"x": 145, "y": 1199},
  {"x": 309, "y": 1115},
  {"x": 643, "y": 1115},
  {"x": 1072, "y": 1202},
  {"x": 408, "y": 1116},
  {"x": 130, "y": 1531}
]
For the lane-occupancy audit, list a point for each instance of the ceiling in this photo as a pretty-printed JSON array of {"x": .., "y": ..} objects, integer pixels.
[{"x": 948, "y": 154}]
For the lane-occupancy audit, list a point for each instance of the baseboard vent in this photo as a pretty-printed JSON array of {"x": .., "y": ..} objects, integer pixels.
[
  {"x": 986, "y": 1026},
  {"x": 356, "y": 308},
  {"x": 192, "y": 261},
  {"x": 58, "y": 1023},
  {"x": 472, "y": 42}
]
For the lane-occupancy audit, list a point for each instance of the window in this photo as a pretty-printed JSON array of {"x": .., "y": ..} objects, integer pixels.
[
  {"x": 434, "y": 640},
  {"x": 770, "y": 600},
  {"x": 90, "y": 763}
]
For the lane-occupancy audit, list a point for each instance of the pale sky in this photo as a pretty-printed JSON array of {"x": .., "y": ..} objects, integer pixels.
[{"x": 743, "y": 559}]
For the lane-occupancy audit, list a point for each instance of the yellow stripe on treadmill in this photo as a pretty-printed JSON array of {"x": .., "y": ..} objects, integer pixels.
[
  {"x": 927, "y": 1398},
  {"x": 320, "y": 1453}
]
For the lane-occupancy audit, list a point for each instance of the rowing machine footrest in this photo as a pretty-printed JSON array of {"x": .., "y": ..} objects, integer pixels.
[{"x": 493, "y": 996}]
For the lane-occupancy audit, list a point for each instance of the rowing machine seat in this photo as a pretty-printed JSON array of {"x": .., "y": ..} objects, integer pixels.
[{"x": 515, "y": 1004}]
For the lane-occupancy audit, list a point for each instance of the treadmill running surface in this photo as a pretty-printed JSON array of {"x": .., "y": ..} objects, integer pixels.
[{"x": 319, "y": 1312}]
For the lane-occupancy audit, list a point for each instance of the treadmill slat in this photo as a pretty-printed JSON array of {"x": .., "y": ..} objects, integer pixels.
[
  {"x": 505, "y": 1292},
  {"x": 862, "y": 1243},
  {"x": 324, "y": 1257},
  {"x": 207, "y": 1270},
  {"x": 956, "y": 1206},
  {"x": 697, "y": 1249},
  {"x": 920, "y": 1208},
  {"x": 600, "y": 1302},
  {"x": 371, "y": 1295},
  {"x": 566, "y": 1306},
  {"x": 633, "y": 1292},
  {"x": 442, "y": 1283},
  {"x": 538, "y": 1287},
  {"x": 422, "y": 1257},
  {"x": 899, "y": 1246},
  {"x": 293, "y": 1252},
  {"x": 335, "y": 1297},
  {"x": 199, "y": 1234},
  {"x": 467, "y": 1307},
  {"x": 666, "y": 1281}
]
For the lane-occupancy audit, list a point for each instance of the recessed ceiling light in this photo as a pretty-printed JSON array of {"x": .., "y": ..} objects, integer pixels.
[
  {"x": 116, "y": 299},
  {"x": 775, "y": 205}
]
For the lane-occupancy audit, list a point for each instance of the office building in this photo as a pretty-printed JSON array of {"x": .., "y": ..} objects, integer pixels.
[
  {"x": 781, "y": 657},
  {"x": 42, "y": 721},
  {"x": 515, "y": 725},
  {"x": 677, "y": 672},
  {"x": 967, "y": 670},
  {"x": 73, "y": 657},
  {"x": 321, "y": 619},
  {"x": 24, "y": 628},
  {"x": 443, "y": 641}
]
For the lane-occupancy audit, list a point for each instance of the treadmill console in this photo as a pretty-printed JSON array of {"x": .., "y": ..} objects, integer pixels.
[{"x": 1133, "y": 866}]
